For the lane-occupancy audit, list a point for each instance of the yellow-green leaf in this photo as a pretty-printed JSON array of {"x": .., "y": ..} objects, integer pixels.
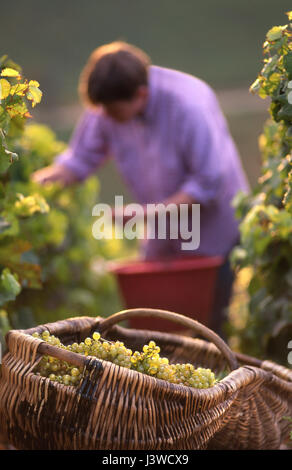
[
  {"x": 275, "y": 33},
  {"x": 17, "y": 109},
  {"x": 8, "y": 72},
  {"x": 262, "y": 94},
  {"x": 35, "y": 95},
  {"x": 289, "y": 13},
  {"x": 9, "y": 284},
  {"x": 19, "y": 89},
  {"x": 4, "y": 322},
  {"x": 27, "y": 206},
  {"x": 4, "y": 88},
  {"x": 255, "y": 86},
  {"x": 275, "y": 77},
  {"x": 34, "y": 83}
]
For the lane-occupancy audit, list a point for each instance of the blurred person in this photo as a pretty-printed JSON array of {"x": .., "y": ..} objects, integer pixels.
[{"x": 170, "y": 141}]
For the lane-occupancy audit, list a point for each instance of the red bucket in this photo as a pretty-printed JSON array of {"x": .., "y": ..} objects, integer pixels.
[{"x": 184, "y": 285}]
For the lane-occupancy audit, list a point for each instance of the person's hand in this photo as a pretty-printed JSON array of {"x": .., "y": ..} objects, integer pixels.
[{"x": 54, "y": 173}]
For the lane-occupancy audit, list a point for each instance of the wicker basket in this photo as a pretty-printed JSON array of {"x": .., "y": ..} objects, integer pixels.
[{"x": 117, "y": 408}]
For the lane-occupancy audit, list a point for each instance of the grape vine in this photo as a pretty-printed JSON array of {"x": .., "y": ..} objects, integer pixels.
[{"x": 266, "y": 227}]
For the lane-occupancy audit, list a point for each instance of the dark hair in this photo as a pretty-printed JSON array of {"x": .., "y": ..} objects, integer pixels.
[{"x": 113, "y": 72}]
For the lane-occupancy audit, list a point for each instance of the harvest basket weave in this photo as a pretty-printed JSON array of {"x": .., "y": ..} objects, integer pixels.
[{"x": 118, "y": 408}]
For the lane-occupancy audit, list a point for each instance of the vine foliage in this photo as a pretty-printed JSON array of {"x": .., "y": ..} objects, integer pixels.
[
  {"x": 47, "y": 251},
  {"x": 266, "y": 225}
]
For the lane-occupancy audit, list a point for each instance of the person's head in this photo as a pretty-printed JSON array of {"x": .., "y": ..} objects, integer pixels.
[{"x": 116, "y": 77}]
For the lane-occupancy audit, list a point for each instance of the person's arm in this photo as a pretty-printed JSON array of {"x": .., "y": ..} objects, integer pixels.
[
  {"x": 55, "y": 173},
  {"x": 86, "y": 151},
  {"x": 174, "y": 201},
  {"x": 180, "y": 197}
]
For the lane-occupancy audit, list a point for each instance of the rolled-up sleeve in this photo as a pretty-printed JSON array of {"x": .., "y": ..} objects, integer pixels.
[
  {"x": 203, "y": 152},
  {"x": 87, "y": 147}
]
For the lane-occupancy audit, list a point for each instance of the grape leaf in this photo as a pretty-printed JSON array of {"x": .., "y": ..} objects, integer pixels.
[
  {"x": 285, "y": 112},
  {"x": 34, "y": 83},
  {"x": 4, "y": 161},
  {"x": 4, "y": 225},
  {"x": 34, "y": 94},
  {"x": 28, "y": 273},
  {"x": 17, "y": 109},
  {"x": 4, "y": 322},
  {"x": 275, "y": 33},
  {"x": 19, "y": 89},
  {"x": 287, "y": 62},
  {"x": 4, "y": 88},
  {"x": 9, "y": 286},
  {"x": 8, "y": 72}
]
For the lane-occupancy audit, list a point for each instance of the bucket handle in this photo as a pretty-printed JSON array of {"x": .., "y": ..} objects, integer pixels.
[{"x": 194, "y": 325}]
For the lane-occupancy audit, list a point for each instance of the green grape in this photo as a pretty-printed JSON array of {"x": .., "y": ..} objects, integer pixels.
[
  {"x": 45, "y": 335},
  {"x": 75, "y": 380},
  {"x": 148, "y": 361}
]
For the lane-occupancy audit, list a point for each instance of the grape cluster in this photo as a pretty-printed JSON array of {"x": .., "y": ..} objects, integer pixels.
[
  {"x": 199, "y": 378},
  {"x": 148, "y": 361},
  {"x": 54, "y": 369}
]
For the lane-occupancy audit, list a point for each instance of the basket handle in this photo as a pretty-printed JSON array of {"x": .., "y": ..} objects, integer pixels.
[
  {"x": 88, "y": 384},
  {"x": 77, "y": 360},
  {"x": 194, "y": 325}
]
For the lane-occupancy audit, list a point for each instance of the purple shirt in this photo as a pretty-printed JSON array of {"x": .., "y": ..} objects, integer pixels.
[{"x": 181, "y": 142}]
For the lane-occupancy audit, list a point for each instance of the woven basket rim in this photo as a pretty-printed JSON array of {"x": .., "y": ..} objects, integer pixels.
[
  {"x": 220, "y": 388},
  {"x": 250, "y": 360}
]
